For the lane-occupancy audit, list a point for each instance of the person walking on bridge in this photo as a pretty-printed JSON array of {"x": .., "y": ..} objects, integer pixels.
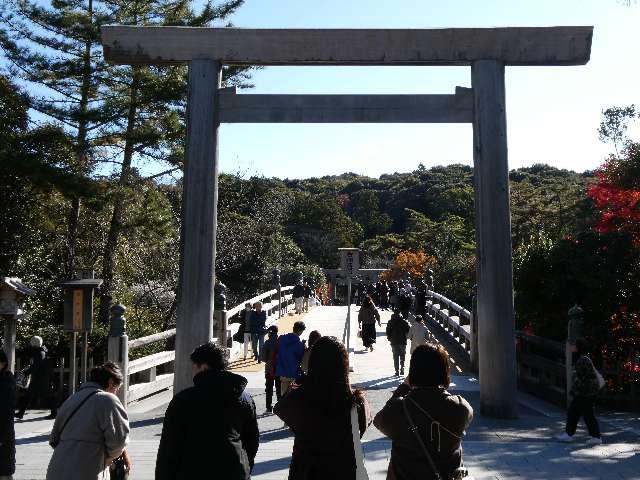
[
  {"x": 269, "y": 357},
  {"x": 367, "y": 318},
  {"x": 257, "y": 322},
  {"x": 210, "y": 430},
  {"x": 298, "y": 297},
  {"x": 418, "y": 333},
  {"x": 326, "y": 417},
  {"x": 290, "y": 352},
  {"x": 584, "y": 392},
  {"x": 397, "y": 331}
]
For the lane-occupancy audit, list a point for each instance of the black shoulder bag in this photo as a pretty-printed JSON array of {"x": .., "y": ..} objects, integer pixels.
[{"x": 459, "y": 472}]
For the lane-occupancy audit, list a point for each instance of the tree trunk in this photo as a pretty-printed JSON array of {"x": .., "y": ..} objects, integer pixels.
[
  {"x": 119, "y": 209},
  {"x": 81, "y": 153}
]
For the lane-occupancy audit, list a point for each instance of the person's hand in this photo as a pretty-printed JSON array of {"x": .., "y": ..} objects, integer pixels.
[{"x": 127, "y": 460}]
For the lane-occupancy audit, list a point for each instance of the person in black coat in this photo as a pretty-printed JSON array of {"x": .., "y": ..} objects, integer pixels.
[
  {"x": 38, "y": 391},
  {"x": 213, "y": 421},
  {"x": 7, "y": 433}
]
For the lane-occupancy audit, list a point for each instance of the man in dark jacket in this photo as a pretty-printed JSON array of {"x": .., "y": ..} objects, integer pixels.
[
  {"x": 257, "y": 322},
  {"x": 210, "y": 430},
  {"x": 290, "y": 351},
  {"x": 397, "y": 330}
]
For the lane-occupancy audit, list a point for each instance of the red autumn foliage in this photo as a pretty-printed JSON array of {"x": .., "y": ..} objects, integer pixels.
[{"x": 618, "y": 202}]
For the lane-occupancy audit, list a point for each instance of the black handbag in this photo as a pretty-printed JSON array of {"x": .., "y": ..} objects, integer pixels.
[{"x": 118, "y": 470}]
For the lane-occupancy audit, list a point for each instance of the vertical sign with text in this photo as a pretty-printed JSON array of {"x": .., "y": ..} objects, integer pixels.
[{"x": 77, "y": 310}]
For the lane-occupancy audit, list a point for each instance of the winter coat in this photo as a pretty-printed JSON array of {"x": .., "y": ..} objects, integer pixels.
[
  {"x": 7, "y": 433},
  {"x": 257, "y": 321},
  {"x": 397, "y": 330},
  {"x": 290, "y": 351},
  {"x": 585, "y": 382},
  {"x": 298, "y": 291},
  {"x": 323, "y": 443},
  {"x": 39, "y": 371},
  {"x": 210, "y": 430},
  {"x": 269, "y": 355},
  {"x": 306, "y": 291},
  {"x": 443, "y": 439},
  {"x": 368, "y": 315},
  {"x": 418, "y": 334},
  {"x": 95, "y": 435}
]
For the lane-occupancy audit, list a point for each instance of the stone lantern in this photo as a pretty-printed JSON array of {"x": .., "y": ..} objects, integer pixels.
[{"x": 12, "y": 295}]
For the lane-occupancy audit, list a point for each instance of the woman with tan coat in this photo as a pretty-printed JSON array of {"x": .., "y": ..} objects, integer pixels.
[{"x": 91, "y": 429}]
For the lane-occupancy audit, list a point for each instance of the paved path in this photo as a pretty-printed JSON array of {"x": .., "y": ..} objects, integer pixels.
[{"x": 494, "y": 449}]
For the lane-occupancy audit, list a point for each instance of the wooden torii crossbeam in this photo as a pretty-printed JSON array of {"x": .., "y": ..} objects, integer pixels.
[{"x": 486, "y": 50}]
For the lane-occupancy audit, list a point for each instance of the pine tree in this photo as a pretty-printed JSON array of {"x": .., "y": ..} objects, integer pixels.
[
  {"x": 152, "y": 101},
  {"x": 55, "y": 50}
]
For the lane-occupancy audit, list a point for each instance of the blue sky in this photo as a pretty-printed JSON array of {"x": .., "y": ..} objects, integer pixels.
[{"x": 552, "y": 112}]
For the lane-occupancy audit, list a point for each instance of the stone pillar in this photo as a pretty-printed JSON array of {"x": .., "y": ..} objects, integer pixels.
[
  {"x": 118, "y": 347},
  {"x": 200, "y": 195},
  {"x": 496, "y": 326}
]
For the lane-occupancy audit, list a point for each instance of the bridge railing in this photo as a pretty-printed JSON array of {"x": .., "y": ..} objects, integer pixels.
[
  {"x": 142, "y": 379},
  {"x": 453, "y": 319}
]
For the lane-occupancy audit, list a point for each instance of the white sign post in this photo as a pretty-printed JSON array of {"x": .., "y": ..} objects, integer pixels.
[{"x": 350, "y": 264}]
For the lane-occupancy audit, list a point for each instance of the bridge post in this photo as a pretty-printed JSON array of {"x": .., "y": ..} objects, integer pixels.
[
  {"x": 496, "y": 326},
  {"x": 200, "y": 197},
  {"x": 278, "y": 285},
  {"x": 118, "y": 347}
]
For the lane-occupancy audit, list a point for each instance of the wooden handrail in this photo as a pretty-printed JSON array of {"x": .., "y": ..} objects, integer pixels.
[{"x": 156, "y": 337}]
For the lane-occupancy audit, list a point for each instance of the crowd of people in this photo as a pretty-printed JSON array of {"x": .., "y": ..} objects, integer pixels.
[{"x": 314, "y": 398}]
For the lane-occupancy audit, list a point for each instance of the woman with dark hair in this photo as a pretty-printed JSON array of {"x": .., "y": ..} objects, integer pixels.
[
  {"x": 91, "y": 429},
  {"x": 424, "y": 421},
  {"x": 367, "y": 317},
  {"x": 7, "y": 433},
  {"x": 327, "y": 418}
]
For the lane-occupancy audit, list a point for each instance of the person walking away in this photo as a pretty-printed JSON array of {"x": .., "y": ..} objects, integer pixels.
[
  {"x": 7, "y": 432},
  {"x": 290, "y": 351},
  {"x": 91, "y": 429},
  {"x": 246, "y": 332},
  {"x": 418, "y": 333},
  {"x": 423, "y": 420},
  {"x": 384, "y": 295},
  {"x": 326, "y": 417},
  {"x": 298, "y": 294},
  {"x": 584, "y": 393},
  {"x": 306, "y": 295},
  {"x": 210, "y": 430},
  {"x": 397, "y": 331},
  {"x": 313, "y": 338},
  {"x": 38, "y": 391},
  {"x": 257, "y": 321},
  {"x": 269, "y": 357},
  {"x": 367, "y": 317}
]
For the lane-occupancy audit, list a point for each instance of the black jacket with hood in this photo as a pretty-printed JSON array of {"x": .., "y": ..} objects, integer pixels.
[{"x": 215, "y": 420}]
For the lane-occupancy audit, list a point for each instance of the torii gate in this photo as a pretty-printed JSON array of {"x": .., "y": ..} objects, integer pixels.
[{"x": 486, "y": 50}]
